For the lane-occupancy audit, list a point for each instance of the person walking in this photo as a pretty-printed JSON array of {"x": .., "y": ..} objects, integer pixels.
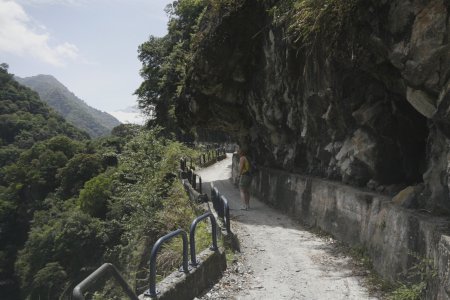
[{"x": 245, "y": 179}]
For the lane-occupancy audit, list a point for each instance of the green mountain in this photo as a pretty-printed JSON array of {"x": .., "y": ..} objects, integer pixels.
[{"x": 72, "y": 108}]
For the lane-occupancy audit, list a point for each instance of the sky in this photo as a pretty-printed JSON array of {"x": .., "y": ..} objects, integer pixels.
[{"x": 90, "y": 46}]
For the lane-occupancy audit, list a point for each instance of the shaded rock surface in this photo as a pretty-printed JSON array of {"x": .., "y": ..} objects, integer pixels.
[{"x": 373, "y": 109}]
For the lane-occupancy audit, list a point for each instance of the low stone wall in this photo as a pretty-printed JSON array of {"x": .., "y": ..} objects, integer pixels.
[
  {"x": 389, "y": 233},
  {"x": 192, "y": 193},
  {"x": 187, "y": 286}
]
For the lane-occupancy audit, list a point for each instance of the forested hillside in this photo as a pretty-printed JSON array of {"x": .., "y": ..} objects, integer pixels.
[
  {"x": 68, "y": 203},
  {"x": 95, "y": 122},
  {"x": 35, "y": 143}
]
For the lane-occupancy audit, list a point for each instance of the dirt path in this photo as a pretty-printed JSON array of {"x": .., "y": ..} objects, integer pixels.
[{"x": 279, "y": 259}]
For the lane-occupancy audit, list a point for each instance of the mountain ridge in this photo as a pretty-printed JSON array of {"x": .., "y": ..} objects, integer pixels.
[{"x": 75, "y": 110}]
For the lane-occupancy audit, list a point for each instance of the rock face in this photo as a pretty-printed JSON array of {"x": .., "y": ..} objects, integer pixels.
[{"x": 373, "y": 110}]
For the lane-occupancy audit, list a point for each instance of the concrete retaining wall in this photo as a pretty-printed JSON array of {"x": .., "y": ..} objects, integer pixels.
[
  {"x": 359, "y": 218},
  {"x": 186, "y": 286}
]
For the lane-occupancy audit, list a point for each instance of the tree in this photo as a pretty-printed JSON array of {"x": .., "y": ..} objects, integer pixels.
[
  {"x": 78, "y": 170},
  {"x": 49, "y": 281},
  {"x": 95, "y": 194},
  {"x": 164, "y": 61},
  {"x": 63, "y": 240}
]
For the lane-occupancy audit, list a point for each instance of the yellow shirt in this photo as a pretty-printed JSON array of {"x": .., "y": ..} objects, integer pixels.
[{"x": 245, "y": 165}]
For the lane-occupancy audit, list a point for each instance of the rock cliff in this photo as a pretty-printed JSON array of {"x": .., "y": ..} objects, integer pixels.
[{"x": 366, "y": 103}]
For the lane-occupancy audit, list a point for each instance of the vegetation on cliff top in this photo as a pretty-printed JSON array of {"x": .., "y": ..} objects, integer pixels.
[
  {"x": 164, "y": 64},
  {"x": 166, "y": 61}
]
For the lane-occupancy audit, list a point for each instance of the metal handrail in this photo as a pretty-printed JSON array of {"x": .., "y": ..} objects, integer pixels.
[
  {"x": 189, "y": 175},
  {"x": 152, "y": 289},
  {"x": 226, "y": 209},
  {"x": 194, "y": 180},
  {"x": 199, "y": 184},
  {"x": 194, "y": 261},
  {"x": 215, "y": 198},
  {"x": 106, "y": 268}
]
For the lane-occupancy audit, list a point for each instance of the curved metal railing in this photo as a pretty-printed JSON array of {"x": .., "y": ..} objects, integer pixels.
[
  {"x": 221, "y": 206},
  {"x": 194, "y": 261},
  {"x": 105, "y": 269},
  {"x": 226, "y": 212},
  {"x": 152, "y": 288},
  {"x": 203, "y": 158},
  {"x": 215, "y": 198}
]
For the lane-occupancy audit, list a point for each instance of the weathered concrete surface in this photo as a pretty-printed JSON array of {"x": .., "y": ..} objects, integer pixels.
[
  {"x": 389, "y": 232},
  {"x": 181, "y": 286}
]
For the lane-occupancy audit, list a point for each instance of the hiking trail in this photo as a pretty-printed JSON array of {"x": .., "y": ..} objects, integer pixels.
[{"x": 279, "y": 258}]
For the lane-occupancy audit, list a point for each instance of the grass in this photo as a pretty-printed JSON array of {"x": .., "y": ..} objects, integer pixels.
[
  {"x": 308, "y": 21},
  {"x": 230, "y": 256},
  {"x": 374, "y": 282},
  {"x": 417, "y": 279},
  {"x": 170, "y": 257}
]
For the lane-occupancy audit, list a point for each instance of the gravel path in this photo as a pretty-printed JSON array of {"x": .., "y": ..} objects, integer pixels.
[{"x": 279, "y": 259}]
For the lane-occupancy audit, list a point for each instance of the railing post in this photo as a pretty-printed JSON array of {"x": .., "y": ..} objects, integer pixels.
[
  {"x": 194, "y": 181},
  {"x": 219, "y": 205},
  {"x": 214, "y": 197},
  {"x": 189, "y": 175},
  {"x": 199, "y": 184},
  {"x": 152, "y": 289},
  {"x": 192, "y": 235},
  {"x": 226, "y": 212}
]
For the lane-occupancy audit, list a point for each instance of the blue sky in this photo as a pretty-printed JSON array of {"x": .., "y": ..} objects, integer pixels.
[{"x": 88, "y": 45}]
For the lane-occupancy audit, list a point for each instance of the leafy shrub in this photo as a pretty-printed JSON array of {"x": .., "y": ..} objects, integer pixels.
[
  {"x": 95, "y": 194},
  {"x": 77, "y": 171},
  {"x": 417, "y": 279}
]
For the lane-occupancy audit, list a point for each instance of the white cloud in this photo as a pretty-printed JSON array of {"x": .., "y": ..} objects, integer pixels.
[
  {"x": 52, "y": 2},
  {"x": 19, "y": 36},
  {"x": 128, "y": 117}
]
